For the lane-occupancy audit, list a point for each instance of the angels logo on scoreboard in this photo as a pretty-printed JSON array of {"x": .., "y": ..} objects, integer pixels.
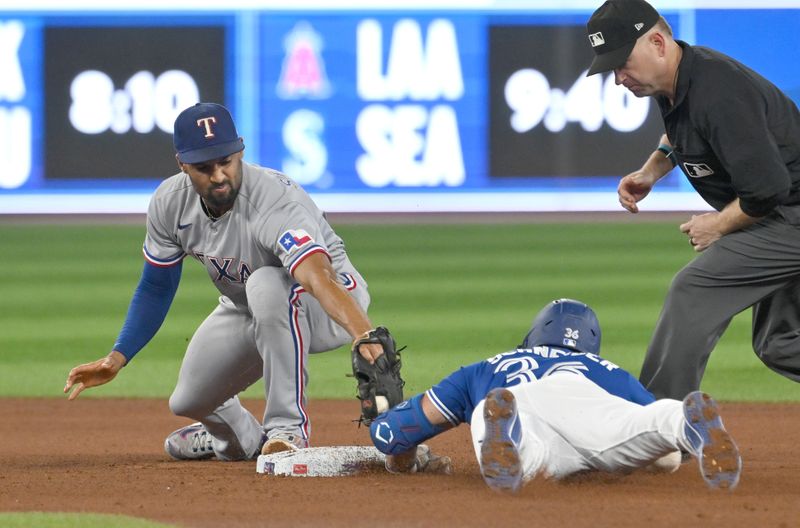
[{"x": 303, "y": 71}]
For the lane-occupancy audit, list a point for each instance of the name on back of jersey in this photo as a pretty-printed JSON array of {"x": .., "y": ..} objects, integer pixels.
[{"x": 520, "y": 364}]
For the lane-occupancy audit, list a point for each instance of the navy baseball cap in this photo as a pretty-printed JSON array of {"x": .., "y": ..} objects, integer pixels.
[
  {"x": 205, "y": 132},
  {"x": 614, "y": 29}
]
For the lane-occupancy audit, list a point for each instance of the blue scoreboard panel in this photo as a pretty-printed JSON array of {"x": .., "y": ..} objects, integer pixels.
[{"x": 470, "y": 109}]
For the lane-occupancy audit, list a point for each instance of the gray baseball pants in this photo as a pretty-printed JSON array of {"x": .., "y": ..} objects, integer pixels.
[
  {"x": 758, "y": 266},
  {"x": 271, "y": 338}
]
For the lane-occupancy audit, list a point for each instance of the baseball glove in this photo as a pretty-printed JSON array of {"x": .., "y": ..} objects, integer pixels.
[{"x": 380, "y": 386}]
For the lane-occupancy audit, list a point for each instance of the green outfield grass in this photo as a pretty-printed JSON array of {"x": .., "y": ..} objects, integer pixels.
[
  {"x": 74, "y": 520},
  {"x": 453, "y": 293}
]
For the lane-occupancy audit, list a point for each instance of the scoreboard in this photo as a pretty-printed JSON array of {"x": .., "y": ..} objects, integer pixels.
[
  {"x": 112, "y": 94},
  {"x": 421, "y": 106}
]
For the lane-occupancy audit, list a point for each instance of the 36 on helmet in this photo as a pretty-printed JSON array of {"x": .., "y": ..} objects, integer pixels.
[{"x": 565, "y": 323}]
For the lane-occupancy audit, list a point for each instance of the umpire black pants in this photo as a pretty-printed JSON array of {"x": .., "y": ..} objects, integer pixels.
[{"x": 758, "y": 266}]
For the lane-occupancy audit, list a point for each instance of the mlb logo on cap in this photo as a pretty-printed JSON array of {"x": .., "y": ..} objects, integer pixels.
[
  {"x": 205, "y": 132},
  {"x": 596, "y": 39}
]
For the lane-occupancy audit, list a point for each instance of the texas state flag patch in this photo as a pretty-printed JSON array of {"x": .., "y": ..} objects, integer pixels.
[{"x": 295, "y": 238}]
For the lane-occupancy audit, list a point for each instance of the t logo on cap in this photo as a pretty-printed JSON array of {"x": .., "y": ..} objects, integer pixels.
[
  {"x": 205, "y": 132},
  {"x": 206, "y": 122}
]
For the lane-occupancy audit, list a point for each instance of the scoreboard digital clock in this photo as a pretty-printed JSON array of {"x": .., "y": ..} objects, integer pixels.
[{"x": 112, "y": 95}]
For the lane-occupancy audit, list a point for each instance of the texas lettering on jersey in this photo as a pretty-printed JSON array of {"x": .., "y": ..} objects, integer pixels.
[{"x": 225, "y": 268}]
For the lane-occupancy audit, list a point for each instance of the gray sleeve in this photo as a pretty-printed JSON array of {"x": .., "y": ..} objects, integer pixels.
[
  {"x": 293, "y": 234},
  {"x": 161, "y": 246}
]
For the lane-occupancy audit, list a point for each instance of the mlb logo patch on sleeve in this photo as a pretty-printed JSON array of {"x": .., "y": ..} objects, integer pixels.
[{"x": 295, "y": 238}]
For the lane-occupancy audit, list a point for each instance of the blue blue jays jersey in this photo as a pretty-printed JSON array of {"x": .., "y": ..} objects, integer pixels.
[{"x": 457, "y": 395}]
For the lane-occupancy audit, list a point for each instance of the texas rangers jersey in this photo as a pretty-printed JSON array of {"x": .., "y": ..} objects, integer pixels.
[
  {"x": 273, "y": 222},
  {"x": 457, "y": 395}
]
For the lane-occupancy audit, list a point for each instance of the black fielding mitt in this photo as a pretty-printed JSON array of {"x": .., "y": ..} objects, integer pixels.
[{"x": 380, "y": 386}]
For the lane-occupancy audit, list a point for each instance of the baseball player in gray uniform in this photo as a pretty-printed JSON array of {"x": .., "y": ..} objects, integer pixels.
[
  {"x": 287, "y": 289},
  {"x": 736, "y": 137}
]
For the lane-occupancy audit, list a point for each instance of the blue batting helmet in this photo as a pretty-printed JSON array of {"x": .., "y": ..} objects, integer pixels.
[{"x": 565, "y": 323}]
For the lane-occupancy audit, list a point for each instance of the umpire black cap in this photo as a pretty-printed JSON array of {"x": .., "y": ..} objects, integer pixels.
[{"x": 614, "y": 29}]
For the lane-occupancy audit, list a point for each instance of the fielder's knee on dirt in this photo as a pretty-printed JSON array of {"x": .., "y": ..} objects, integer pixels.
[
  {"x": 188, "y": 405},
  {"x": 402, "y": 428}
]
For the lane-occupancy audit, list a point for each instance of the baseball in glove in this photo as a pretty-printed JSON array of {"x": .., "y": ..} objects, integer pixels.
[{"x": 380, "y": 386}]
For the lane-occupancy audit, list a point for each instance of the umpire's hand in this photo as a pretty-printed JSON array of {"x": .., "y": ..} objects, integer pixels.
[
  {"x": 702, "y": 230},
  {"x": 93, "y": 374},
  {"x": 633, "y": 188}
]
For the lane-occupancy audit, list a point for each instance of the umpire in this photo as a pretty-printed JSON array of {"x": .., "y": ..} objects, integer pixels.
[{"x": 736, "y": 137}]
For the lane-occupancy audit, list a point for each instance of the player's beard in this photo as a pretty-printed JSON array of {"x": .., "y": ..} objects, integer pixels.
[{"x": 221, "y": 202}]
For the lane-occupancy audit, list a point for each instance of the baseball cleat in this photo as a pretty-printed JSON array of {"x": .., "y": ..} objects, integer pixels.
[
  {"x": 717, "y": 454},
  {"x": 283, "y": 442},
  {"x": 192, "y": 442},
  {"x": 501, "y": 465}
]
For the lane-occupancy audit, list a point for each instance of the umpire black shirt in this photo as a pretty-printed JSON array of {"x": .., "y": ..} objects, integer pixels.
[{"x": 735, "y": 134}]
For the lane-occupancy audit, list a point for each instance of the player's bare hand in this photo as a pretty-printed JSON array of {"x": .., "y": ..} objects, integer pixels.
[
  {"x": 93, "y": 374},
  {"x": 419, "y": 460},
  {"x": 702, "y": 230},
  {"x": 402, "y": 462},
  {"x": 633, "y": 188},
  {"x": 370, "y": 351}
]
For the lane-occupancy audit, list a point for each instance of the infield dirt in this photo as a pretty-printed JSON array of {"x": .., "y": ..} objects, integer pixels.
[{"x": 106, "y": 456}]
